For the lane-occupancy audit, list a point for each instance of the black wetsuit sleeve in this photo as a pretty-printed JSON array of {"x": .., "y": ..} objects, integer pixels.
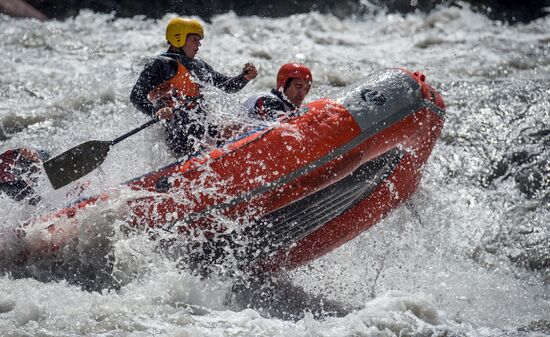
[
  {"x": 156, "y": 72},
  {"x": 226, "y": 83},
  {"x": 268, "y": 108},
  {"x": 18, "y": 175}
]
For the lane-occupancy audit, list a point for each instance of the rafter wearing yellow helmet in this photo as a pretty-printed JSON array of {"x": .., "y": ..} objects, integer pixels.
[
  {"x": 178, "y": 29},
  {"x": 170, "y": 85}
]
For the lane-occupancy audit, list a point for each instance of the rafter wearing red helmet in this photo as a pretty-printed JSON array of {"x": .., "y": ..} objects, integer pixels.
[{"x": 293, "y": 83}]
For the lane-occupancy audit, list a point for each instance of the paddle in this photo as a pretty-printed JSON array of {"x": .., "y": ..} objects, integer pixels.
[{"x": 83, "y": 159}]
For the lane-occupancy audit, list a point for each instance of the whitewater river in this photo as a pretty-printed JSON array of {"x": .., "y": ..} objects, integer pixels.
[{"x": 469, "y": 255}]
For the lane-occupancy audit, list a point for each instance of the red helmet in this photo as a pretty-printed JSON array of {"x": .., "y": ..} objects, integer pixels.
[{"x": 293, "y": 70}]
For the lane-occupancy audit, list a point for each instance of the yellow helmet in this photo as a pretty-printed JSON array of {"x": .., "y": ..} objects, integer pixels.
[{"x": 178, "y": 29}]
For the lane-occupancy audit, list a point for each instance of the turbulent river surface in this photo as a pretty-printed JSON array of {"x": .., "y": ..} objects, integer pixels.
[{"x": 468, "y": 255}]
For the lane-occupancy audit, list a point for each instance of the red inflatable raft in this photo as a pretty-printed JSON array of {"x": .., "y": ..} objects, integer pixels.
[{"x": 279, "y": 197}]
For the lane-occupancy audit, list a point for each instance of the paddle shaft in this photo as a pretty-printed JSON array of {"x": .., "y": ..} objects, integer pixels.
[{"x": 134, "y": 131}]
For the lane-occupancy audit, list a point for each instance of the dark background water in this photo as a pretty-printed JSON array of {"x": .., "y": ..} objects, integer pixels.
[{"x": 507, "y": 10}]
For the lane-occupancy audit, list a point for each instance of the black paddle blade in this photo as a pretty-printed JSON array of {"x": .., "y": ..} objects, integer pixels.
[{"x": 76, "y": 162}]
